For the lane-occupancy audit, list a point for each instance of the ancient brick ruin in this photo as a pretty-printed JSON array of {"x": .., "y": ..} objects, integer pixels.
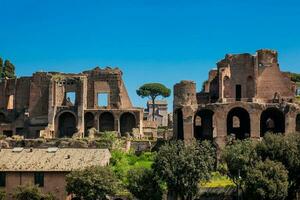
[
  {"x": 53, "y": 104},
  {"x": 246, "y": 96}
]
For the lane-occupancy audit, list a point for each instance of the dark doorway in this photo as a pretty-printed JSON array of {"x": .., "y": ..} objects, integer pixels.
[
  {"x": 127, "y": 123},
  {"x": 203, "y": 125},
  {"x": 88, "y": 122},
  {"x": 67, "y": 124},
  {"x": 8, "y": 133},
  {"x": 272, "y": 120},
  {"x": 298, "y": 123},
  {"x": 2, "y": 118},
  {"x": 238, "y": 92},
  {"x": 180, "y": 133},
  {"x": 106, "y": 122},
  {"x": 238, "y": 123}
]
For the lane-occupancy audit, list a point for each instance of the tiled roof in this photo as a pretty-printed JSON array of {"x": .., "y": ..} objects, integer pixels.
[
  {"x": 52, "y": 159},
  {"x": 158, "y": 102}
]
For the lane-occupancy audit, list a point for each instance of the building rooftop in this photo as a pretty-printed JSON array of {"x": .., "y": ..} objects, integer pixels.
[
  {"x": 52, "y": 159},
  {"x": 158, "y": 102}
]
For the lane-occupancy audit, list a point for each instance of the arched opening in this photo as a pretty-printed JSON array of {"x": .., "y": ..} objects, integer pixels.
[
  {"x": 88, "y": 122},
  {"x": 179, "y": 116},
  {"x": 127, "y": 123},
  {"x": 203, "y": 125},
  {"x": 238, "y": 123},
  {"x": 66, "y": 124},
  {"x": 298, "y": 123},
  {"x": 2, "y": 118},
  {"x": 272, "y": 120},
  {"x": 226, "y": 83},
  {"x": 106, "y": 122}
]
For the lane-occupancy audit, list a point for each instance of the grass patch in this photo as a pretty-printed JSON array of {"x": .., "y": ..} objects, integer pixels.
[{"x": 218, "y": 181}]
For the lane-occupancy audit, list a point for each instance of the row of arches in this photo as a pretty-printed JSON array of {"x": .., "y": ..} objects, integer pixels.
[
  {"x": 67, "y": 123},
  {"x": 238, "y": 122}
]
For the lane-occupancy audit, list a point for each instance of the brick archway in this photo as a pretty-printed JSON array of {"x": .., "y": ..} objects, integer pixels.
[
  {"x": 127, "y": 123},
  {"x": 203, "y": 125},
  {"x": 66, "y": 124},
  {"x": 88, "y": 122},
  {"x": 272, "y": 120},
  {"x": 106, "y": 122},
  {"x": 238, "y": 123}
]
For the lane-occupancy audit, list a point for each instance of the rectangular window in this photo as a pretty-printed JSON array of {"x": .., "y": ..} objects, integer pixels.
[
  {"x": 39, "y": 179},
  {"x": 2, "y": 179},
  {"x": 102, "y": 99},
  {"x": 71, "y": 98},
  {"x": 238, "y": 92}
]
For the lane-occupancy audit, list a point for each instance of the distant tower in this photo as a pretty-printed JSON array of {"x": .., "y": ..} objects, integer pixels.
[{"x": 185, "y": 105}]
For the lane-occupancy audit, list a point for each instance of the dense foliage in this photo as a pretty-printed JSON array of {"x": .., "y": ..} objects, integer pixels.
[
  {"x": 30, "y": 192},
  {"x": 183, "y": 166},
  {"x": 268, "y": 169},
  {"x": 93, "y": 183},
  {"x": 266, "y": 180},
  {"x": 143, "y": 184},
  {"x": 153, "y": 90},
  {"x": 7, "y": 70},
  {"x": 295, "y": 77}
]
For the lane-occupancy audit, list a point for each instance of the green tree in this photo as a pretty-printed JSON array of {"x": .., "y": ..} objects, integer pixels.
[
  {"x": 144, "y": 185},
  {"x": 2, "y": 195},
  {"x": 93, "y": 183},
  {"x": 9, "y": 69},
  {"x": 27, "y": 192},
  {"x": 267, "y": 180},
  {"x": 153, "y": 90},
  {"x": 284, "y": 149},
  {"x": 183, "y": 166},
  {"x": 239, "y": 156}
]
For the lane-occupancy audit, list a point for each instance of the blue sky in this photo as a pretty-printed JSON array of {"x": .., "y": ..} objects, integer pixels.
[{"x": 150, "y": 40}]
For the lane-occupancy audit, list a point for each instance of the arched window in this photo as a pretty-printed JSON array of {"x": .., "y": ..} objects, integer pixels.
[
  {"x": 272, "y": 120},
  {"x": 238, "y": 123}
]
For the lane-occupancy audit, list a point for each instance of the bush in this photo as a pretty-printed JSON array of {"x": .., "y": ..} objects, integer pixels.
[
  {"x": 27, "y": 192},
  {"x": 143, "y": 184},
  {"x": 267, "y": 180},
  {"x": 92, "y": 183}
]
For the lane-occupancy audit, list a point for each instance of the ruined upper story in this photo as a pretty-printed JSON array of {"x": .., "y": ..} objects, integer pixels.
[
  {"x": 250, "y": 78},
  {"x": 34, "y": 95}
]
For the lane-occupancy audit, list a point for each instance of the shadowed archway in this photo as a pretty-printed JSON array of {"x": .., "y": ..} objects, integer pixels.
[
  {"x": 2, "y": 118},
  {"x": 238, "y": 123},
  {"x": 203, "y": 125},
  {"x": 88, "y": 122},
  {"x": 179, "y": 124},
  {"x": 272, "y": 120},
  {"x": 106, "y": 122},
  {"x": 127, "y": 123},
  {"x": 66, "y": 124}
]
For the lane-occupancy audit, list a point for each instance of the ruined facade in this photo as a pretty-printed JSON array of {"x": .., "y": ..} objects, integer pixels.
[
  {"x": 246, "y": 96},
  {"x": 53, "y": 104}
]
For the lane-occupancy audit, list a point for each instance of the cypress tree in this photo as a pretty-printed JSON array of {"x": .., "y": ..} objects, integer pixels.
[{"x": 9, "y": 69}]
